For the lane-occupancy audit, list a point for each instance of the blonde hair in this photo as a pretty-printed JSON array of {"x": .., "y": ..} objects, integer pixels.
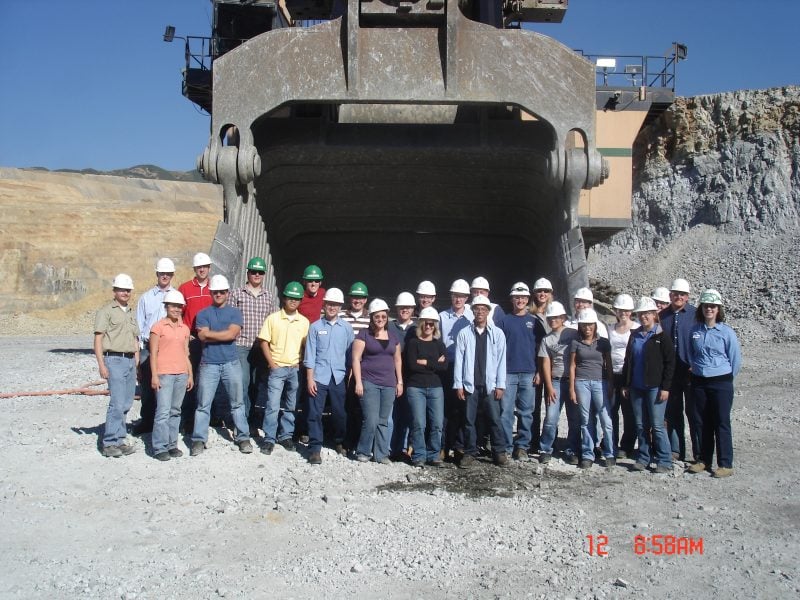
[{"x": 436, "y": 333}]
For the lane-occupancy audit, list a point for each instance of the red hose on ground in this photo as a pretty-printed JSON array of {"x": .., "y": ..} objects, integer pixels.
[{"x": 84, "y": 390}]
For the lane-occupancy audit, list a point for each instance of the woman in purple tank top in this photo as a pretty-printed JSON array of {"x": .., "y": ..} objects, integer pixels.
[{"x": 377, "y": 370}]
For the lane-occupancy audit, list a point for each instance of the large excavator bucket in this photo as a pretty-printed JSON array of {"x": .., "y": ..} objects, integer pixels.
[{"x": 404, "y": 141}]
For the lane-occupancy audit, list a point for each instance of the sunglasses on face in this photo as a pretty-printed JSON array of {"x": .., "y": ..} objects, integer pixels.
[
  {"x": 219, "y": 292},
  {"x": 256, "y": 272}
]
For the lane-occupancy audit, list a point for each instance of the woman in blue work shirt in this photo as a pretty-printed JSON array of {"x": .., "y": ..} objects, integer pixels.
[{"x": 715, "y": 359}]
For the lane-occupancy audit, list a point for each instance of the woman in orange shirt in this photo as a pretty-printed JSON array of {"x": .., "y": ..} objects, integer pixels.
[{"x": 172, "y": 375}]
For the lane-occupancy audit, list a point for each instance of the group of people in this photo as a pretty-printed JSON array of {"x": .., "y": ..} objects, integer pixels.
[{"x": 425, "y": 386}]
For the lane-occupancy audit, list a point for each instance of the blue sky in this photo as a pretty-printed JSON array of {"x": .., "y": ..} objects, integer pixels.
[{"x": 91, "y": 84}]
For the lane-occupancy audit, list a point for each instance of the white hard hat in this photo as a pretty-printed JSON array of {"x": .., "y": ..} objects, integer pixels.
[
  {"x": 165, "y": 265},
  {"x": 623, "y": 302},
  {"x": 218, "y": 283},
  {"x": 123, "y": 282},
  {"x": 711, "y": 296},
  {"x": 429, "y": 313},
  {"x": 587, "y": 315},
  {"x": 680, "y": 285},
  {"x": 377, "y": 305},
  {"x": 520, "y": 289},
  {"x": 405, "y": 299},
  {"x": 543, "y": 284},
  {"x": 460, "y": 286},
  {"x": 556, "y": 309},
  {"x": 645, "y": 304},
  {"x": 426, "y": 288},
  {"x": 334, "y": 295},
  {"x": 201, "y": 259},
  {"x": 174, "y": 297},
  {"x": 481, "y": 301},
  {"x": 660, "y": 294},
  {"x": 584, "y": 294},
  {"x": 480, "y": 283}
]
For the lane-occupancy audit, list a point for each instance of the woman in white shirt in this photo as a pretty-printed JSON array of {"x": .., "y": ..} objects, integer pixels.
[{"x": 618, "y": 337}]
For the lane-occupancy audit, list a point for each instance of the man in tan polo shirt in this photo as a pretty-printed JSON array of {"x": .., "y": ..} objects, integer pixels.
[{"x": 116, "y": 347}]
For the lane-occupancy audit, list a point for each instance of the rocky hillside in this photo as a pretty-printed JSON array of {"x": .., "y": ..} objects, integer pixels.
[
  {"x": 63, "y": 237},
  {"x": 717, "y": 200}
]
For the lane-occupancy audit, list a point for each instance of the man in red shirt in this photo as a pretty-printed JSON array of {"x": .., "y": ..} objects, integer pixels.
[
  {"x": 197, "y": 296},
  {"x": 311, "y": 308},
  {"x": 311, "y": 304}
]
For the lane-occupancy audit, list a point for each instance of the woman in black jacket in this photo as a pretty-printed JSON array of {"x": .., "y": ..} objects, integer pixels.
[
  {"x": 424, "y": 360},
  {"x": 647, "y": 376}
]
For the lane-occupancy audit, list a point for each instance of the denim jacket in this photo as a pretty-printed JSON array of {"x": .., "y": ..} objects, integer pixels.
[{"x": 464, "y": 369}]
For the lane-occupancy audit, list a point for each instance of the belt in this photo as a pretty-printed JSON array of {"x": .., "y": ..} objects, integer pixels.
[{"x": 122, "y": 354}]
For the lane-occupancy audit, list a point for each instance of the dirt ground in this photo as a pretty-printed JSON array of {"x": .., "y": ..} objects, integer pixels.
[{"x": 230, "y": 525}]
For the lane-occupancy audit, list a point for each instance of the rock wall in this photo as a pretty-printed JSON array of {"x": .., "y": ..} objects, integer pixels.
[
  {"x": 64, "y": 236},
  {"x": 717, "y": 200}
]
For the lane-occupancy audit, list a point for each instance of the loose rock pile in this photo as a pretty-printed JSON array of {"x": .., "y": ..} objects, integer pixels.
[{"x": 717, "y": 201}]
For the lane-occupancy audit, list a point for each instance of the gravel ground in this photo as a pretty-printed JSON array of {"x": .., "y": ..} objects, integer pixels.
[{"x": 229, "y": 525}]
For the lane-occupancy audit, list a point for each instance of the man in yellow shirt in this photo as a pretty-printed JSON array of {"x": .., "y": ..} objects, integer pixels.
[{"x": 282, "y": 339}]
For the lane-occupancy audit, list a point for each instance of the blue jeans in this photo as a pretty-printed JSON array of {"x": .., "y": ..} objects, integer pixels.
[
  {"x": 208, "y": 380},
  {"x": 427, "y": 419},
  {"x": 376, "y": 407},
  {"x": 593, "y": 393},
  {"x": 121, "y": 388},
  {"x": 316, "y": 405},
  {"x": 147, "y": 396},
  {"x": 401, "y": 423},
  {"x": 713, "y": 402},
  {"x": 168, "y": 411},
  {"x": 519, "y": 395},
  {"x": 552, "y": 415},
  {"x": 254, "y": 368},
  {"x": 281, "y": 396},
  {"x": 649, "y": 412},
  {"x": 680, "y": 397},
  {"x": 491, "y": 408}
]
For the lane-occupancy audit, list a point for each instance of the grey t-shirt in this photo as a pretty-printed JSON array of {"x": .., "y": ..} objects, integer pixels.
[
  {"x": 556, "y": 346},
  {"x": 589, "y": 358}
]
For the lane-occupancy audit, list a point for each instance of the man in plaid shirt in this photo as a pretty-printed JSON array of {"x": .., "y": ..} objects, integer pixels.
[{"x": 256, "y": 303}]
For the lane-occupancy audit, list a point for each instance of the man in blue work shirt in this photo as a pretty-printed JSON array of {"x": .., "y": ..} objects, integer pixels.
[
  {"x": 149, "y": 310},
  {"x": 327, "y": 345},
  {"x": 677, "y": 320},
  {"x": 479, "y": 379}
]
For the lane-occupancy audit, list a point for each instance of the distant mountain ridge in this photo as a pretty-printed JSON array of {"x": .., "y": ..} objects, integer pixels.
[{"x": 137, "y": 171}]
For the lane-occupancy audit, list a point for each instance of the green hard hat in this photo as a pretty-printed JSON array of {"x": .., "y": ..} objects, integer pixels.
[
  {"x": 359, "y": 290},
  {"x": 293, "y": 290},
  {"x": 312, "y": 273},
  {"x": 256, "y": 264}
]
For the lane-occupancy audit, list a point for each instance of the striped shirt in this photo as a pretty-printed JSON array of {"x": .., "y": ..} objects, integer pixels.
[
  {"x": 255, "y": 310},
  {"x": 356, "y": 322}
]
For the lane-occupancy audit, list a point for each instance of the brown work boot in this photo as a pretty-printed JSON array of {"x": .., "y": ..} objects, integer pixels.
[
  {"x": 519, "y": 454},
  {"x": 315, "y": 458},
  {"x": 722, "y": 472},
  {"x": 501, "y": 460},
  {"x": 466, "y": 461},
  {"x": 697, "y": 467}
]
